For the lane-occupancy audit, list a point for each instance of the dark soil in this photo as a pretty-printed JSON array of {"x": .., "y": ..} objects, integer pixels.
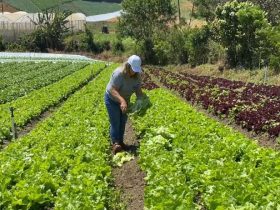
[
  {"x": 129, "y": 178},
  {"x": 7, "y": 8},
  {"x": 32, "y": 124}
]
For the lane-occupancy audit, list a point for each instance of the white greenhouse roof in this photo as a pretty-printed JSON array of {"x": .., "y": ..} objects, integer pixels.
[
  {"x": 108, "y": 16},
  {"x": 10, "y": 56},
  {"x": 13, "y": 17},
  {"x": 76, "y": 16}
]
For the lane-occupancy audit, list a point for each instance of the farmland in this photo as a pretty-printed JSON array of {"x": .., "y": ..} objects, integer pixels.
[
  {"x": 255, "y": 107},
  {"x": 86, "y": 7},
  {"x": 190, "y": 161}
]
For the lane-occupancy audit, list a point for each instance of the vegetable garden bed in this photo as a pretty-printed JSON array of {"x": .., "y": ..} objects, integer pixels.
[{"x": 254, "y": 107}]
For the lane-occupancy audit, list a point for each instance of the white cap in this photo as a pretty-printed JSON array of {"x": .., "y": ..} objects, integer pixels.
[{"x": 135, "y": 63}]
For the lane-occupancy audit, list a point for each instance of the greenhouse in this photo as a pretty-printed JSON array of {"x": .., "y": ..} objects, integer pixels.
[{"x": 12, "y": 25}]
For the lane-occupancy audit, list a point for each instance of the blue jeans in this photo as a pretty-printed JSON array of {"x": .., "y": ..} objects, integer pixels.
[{"x": 117, "y": 119}]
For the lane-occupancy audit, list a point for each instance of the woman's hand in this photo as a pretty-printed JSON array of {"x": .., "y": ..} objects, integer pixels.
[{"x": 123, "y": 106}]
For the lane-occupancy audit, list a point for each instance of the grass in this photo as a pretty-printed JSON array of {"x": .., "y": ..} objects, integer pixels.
[
  {"x": 91, "y": 8},
  {"x": 25, "y": 5},
  {"x": 86, "y": 7},
  {"x": 186, "y": 10},
  {"x": 255, "y": 76}
]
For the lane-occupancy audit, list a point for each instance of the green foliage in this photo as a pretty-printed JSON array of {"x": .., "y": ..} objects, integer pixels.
[
  {"x": 206, "y": 8},
  {"x": 88, "y": 40},
  {"x": 141, "y": 19},
  {"x": 26, "y": 109},
  {"x": 51, "y": 29},
  {"x": 198, "y": 45},
  {"x": 63, "y": 163},
  {"x": 145, "y": 48},
  {"x": 170, "y": 47},
  {"x": 275, "y": 63},
  {"x": 216, "y": 52},
  {"x": 194, "y": 162},
  {"x": 117, "y": 47},
  {"x": 271, "y": 7},
  {"x": 19, "y": 46},
  {"x": 241, "y": 29},
  {"x": 86, "y": 7},
  {"x": 71, "y": 44},
  {"x": 2, "y": 45}
]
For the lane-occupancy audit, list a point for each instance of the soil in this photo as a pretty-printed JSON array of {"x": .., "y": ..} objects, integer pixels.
[
  {"x": 129, "y": 178},
  {"x": 7, "y": 8},
  {"x": 32, "y": 124}
]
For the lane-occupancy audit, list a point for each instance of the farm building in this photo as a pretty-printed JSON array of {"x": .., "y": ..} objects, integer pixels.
[{"x": 13, "y": 25}]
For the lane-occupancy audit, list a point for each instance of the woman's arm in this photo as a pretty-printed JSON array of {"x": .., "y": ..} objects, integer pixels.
[{"x": 115, "y": 93}]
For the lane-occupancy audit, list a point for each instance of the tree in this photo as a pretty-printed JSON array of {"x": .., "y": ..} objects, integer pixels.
[
  {"x": 241, "y": 28},
  {"x": 141, "y": 19},
  {"x": 206, "y": 8},
  {"x": 272, "y": 7},
  {"x": 51, "y": 28}
]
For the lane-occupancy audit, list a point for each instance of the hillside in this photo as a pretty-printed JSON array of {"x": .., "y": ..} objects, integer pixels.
[{"x": 92, "y": 7}]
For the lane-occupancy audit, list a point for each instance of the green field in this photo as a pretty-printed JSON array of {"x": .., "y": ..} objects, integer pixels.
[{"x": 86, "y": 7}]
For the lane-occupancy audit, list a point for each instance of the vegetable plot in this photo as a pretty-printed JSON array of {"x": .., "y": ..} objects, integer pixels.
[
  {"x": 20, "y": 79},
  {"x": 193, "y": 162},
  {"x": 33, "y": 104},
  {"x": 254, "y": 107},
  {"x": 63, "y": 163}
]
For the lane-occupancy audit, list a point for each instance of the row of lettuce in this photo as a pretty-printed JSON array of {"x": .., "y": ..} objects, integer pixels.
[
  {"x": 64, "y": 162},
  {"x": 194, "y": 162},
  {"x": 20, "y": 78},
  {"x": 191, "y": 161},
  {"x": 254, "y": 107},
  {"x": 33, "y": 104}
]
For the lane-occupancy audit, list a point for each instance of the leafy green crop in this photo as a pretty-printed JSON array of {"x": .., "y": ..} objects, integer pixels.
[
  {"x": 23, "y": 79},
  {"x": 193, "y": 162},
  {"x": 33, "y": 104},
  {"x": 120, "y": 158},
  {"x": 63, "y": 163}
]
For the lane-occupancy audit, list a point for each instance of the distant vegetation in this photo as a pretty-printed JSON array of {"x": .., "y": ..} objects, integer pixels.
[
  {"x": 92, "y": 7},
  {"x": 232, "y": 34}
]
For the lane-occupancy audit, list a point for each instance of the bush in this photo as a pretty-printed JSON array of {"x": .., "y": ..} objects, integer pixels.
[
  {"x": 2, "y": 45},
  {"x": 275, "y": 63},
  {"x": 71, "y": 44},
  {"x": 162, "y": 49},
  {"x": 198, "y": 45},
  {"x": 117, "y": 47},
  {"x": 103, "y": 45},
  {"x": 15, "y": 47},
  {"x": 216, "y": 52},
  {"x": 145, "y": 49},
  {"x": 170, "y": 47}
]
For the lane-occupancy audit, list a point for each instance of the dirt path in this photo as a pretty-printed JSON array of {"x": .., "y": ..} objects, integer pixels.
[{"x": 129, "y": 178}]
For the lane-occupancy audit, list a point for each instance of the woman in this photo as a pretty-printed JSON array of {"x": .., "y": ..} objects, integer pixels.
[{"x": 124, "y": 82}]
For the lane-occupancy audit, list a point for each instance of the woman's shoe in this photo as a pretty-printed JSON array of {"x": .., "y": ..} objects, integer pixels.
[
  {"x": 116, "y": 148},
  {"x": 124, "y": 146}
]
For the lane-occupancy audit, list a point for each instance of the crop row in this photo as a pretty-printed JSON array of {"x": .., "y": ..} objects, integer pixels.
[
  {"x": 63, "y": 162},
  {"x": 20, "y": 79},
  {"x": 194, "y": 162},
  {"x": 147, "y": 82},
  {"x": 36, "y": 102},
  {"x": 254, "y": 107}
]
